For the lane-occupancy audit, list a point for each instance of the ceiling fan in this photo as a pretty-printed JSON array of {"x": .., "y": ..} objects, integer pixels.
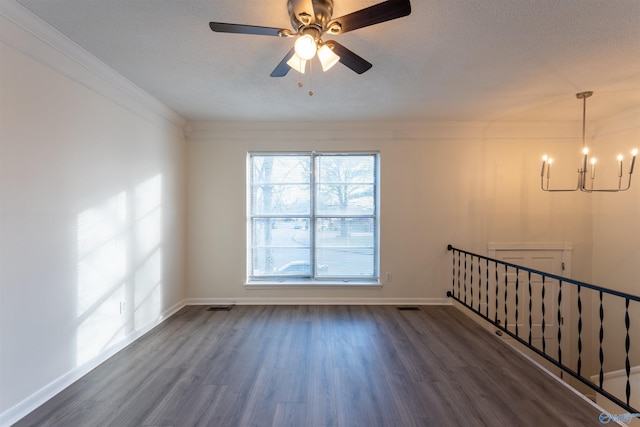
[{"x": 311, "y": 20}]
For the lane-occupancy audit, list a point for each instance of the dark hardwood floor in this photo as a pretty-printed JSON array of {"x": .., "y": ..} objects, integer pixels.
[{"x": 316, "y": 366}]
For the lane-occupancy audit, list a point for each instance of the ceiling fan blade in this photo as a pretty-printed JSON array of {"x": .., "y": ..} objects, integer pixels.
[
  {"x": 221, "y": 27},
  {"x": 348, "y": 58},
  {"x": 304, "y": 7},
  {"x": 283, "y": 68},
  {"x": 381, "y": 12}
]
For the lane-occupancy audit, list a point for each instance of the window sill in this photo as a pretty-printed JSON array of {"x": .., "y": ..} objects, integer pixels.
[{"x": 267, "y": 284}]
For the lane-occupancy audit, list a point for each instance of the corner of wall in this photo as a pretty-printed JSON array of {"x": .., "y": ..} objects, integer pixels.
[{"x": 98, "y": 75}]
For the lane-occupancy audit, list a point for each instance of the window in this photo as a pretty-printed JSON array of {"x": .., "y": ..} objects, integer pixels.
[{"x": 313, "y": 217}]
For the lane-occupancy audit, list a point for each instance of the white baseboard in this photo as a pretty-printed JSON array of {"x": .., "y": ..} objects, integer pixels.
[
  {"x": 22, "y": 409},
  {"x": 317, "y": 301}
]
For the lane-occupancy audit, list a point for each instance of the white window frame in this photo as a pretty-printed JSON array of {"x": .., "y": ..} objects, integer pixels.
[{"x": 313, "y": 280}]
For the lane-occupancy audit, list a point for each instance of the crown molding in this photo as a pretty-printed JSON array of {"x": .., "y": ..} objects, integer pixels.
[
  {"x": 382, "y": 130},
  {"x": 413, "y": 130},
  {"x": 93, "y": 74},
  {"x": 625, "y": 122}
]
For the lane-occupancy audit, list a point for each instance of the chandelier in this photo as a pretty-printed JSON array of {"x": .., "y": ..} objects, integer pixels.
[{"x": 587, "y": 171}]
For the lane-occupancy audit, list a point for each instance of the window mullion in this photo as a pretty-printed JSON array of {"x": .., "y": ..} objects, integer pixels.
[
  {"x": 312, "y": 219},
  {"x": 376, "y": 219}
]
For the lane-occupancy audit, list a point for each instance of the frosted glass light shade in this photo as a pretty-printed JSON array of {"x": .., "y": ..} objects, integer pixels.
[
  {"x": 297, "y": 63},
  {"x": 327, "y": 58},
  {"x": 306, "y": 47}
]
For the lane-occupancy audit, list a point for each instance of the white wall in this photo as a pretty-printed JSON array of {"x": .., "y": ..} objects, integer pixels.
[
  {"x": 616, "y": 239},
  {"x": 92, "y": 195},
  {"x": 616, "y": 229},
  {"x": 459, "y": 183}
]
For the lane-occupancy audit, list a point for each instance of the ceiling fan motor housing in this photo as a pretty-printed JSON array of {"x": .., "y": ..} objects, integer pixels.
[{"x": 318, "y": 17}]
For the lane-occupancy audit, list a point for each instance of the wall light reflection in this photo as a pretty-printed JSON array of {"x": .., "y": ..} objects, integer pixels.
[{"x": 119, "y": 268}]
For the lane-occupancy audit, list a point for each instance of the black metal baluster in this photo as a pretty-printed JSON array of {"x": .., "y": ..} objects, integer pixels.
[
  {"x": 579, "y": 331},
  {"x": 479, "y": 285},
  {"x": 601, "y": 339},
  {"x": 459, "y": 274},
  {"x": 530, "y": 308},
  {"x": 465, "y": 278},
  {"x": 471, "y": 280},
  {"x": 627, "y": 346},
  {"x": 544, "y": 342},
  {"x": 453, "y": 273},
  {"x": 560, "y": 320},
  {"x": 487, "y": 289},
  {"x": 506, "y": 286},
  {"x": 517, "y": 286},
  {"x": 497, "y": 283}
]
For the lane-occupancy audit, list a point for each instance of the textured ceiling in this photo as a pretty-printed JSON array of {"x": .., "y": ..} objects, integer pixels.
[{"x": 448, "y": 60}]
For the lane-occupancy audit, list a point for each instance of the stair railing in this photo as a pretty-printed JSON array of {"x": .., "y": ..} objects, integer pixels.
[{"x": 481, "y": 284}]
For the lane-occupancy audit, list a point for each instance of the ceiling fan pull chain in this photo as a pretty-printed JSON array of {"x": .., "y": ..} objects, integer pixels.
[
  {"x": 310, "y": 75},
  {"x": 300, "y": 77}
]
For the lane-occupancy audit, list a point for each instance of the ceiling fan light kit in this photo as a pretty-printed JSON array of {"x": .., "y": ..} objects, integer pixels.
[
  {"x": 311, "y": 20},
  {"x": 327, "y": 58},
  {"x": 306, "y": 46}
]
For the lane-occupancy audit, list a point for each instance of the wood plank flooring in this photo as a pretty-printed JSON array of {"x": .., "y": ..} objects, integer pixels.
[{"x": 316, "y": 366}]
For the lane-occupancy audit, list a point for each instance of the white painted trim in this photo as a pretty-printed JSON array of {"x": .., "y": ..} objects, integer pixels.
[
  {"x": 118, "y": 89},
  {"x": 618, "y": 123},
  {"x": 257, "y": 285},
  {"x": 317, "y": 301},
  {"x": 565, "y": 247},
  {"x": 22, "y": 409},
  {"x": 382, "y": 131},
  {"x": 529, "y": 246}
]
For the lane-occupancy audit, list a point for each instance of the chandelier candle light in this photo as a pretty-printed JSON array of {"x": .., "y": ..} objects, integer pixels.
[{"x": 582, "y": 172}]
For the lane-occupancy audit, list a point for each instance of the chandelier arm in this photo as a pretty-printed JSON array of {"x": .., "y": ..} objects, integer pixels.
[
  {"x": 610, "y": 190},
  {"x": 545, "y": 167},
  {"x": 558, "y": 190},
  {"x": 554, "y": 190},
  {"x": 582, "y": 177}
]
